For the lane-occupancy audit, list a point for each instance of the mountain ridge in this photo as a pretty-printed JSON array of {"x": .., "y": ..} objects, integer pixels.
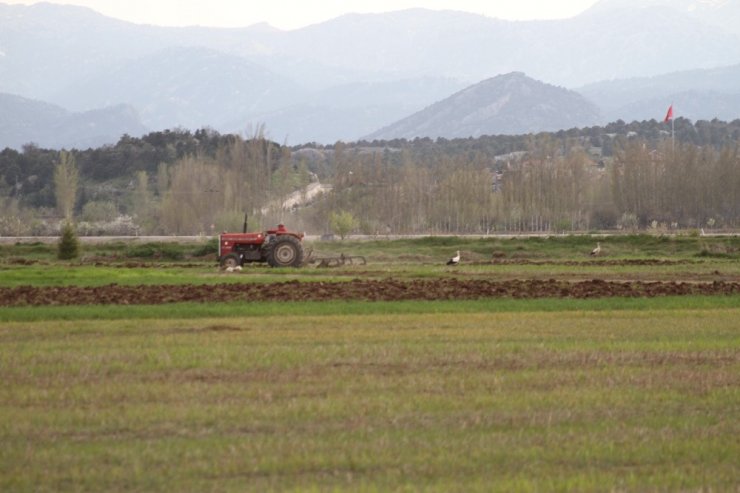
[
  {"x": 701, "y": 94},
  {"x": 80, "y": 60},
  {"x": 506, "y": 104},
  {"x": 26, "y": 121}
]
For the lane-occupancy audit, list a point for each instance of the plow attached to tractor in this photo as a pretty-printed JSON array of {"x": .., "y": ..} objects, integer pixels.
[{"x": 335, "y": 261}]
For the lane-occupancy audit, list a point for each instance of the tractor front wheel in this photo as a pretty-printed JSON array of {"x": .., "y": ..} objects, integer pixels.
[
  {"x": 285, "y": 251},
  {"x": 230, "y": 260}
]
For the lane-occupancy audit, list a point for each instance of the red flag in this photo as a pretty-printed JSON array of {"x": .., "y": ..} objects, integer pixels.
[{"x": 669, "y": 115}]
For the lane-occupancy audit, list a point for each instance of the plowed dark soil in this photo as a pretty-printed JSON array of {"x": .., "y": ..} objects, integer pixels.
[
  {"x": 136, "y": 264},
  {"x": 381, "y": 290},
  {"x": 587, "y": 263}
]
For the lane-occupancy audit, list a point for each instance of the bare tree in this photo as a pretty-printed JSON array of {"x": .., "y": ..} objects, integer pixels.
[{"x": 66, "y": 178}]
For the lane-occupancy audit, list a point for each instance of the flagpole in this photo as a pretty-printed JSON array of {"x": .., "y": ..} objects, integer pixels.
[
  {"x": 673, "y": 133},
  {"x": 669, "y": 116}
]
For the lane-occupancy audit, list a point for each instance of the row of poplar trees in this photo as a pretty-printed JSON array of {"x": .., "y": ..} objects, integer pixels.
[{"x": 548, "y": 188}]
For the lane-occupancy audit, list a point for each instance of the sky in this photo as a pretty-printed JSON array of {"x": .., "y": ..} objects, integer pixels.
[{"x": 292, "y": 14}]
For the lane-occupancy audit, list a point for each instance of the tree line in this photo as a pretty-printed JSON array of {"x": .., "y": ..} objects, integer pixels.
[
  {"x": 548, "y": 188},
  {"x": 177, "y": 182}
]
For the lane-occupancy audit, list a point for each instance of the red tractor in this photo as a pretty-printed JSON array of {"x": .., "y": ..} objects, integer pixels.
[{"x": 278, "y": 247}]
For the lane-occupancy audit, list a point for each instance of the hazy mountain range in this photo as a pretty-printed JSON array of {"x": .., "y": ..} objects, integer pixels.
[
  {"x": 505, "y": 104},
  {"x": 353, "y": 75},
  {"x": 696, "y": 94},
  {"x": 23, "y": 121}
]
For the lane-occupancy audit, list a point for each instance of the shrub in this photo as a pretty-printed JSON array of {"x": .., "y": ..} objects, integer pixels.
[
  {"x": 342, "y": 223},
  {"x": 208, "y": 248},
  {"x": 69, "y": 244}
]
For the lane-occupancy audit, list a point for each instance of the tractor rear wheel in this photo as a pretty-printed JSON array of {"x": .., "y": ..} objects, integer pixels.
[
  {"x": 230, "y": 260},
  {"x": 285, "y": 251}
]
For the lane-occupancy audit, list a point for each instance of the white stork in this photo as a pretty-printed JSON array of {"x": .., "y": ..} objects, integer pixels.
[
  {"x": 596, "y": 250},
  {"x": 454, "y": 260}
]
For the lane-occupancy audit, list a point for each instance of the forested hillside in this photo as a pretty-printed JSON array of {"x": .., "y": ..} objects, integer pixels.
[{"x": 178, "y": 182}]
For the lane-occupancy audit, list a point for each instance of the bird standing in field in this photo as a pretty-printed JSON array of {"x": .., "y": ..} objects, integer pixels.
[
  {"x": 596, "y": 250},
  {"x": 454, "y": 260}
]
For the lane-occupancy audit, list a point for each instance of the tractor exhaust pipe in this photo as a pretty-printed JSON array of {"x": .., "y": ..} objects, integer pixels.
[{"x": 245, "y": 223}]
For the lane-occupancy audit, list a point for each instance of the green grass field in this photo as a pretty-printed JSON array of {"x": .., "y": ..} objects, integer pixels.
[
  {"x": 686, "y": 258},
  {"x": 609, "y": 394},
  {"x": 566, "y": 400}
]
